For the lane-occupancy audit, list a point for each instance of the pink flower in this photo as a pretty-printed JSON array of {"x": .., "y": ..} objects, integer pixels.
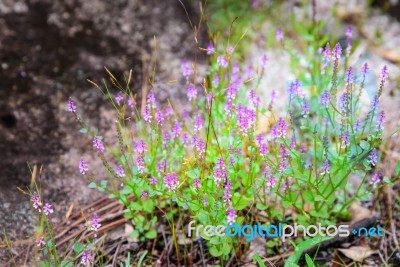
[
  {"x": 83, "y": 167},
  {"x": 210, "y": 48},
  {"x": 36, "y": 202},
  {"x": 120, "y": 171},
  {"x": 186, "y": 69},
  {"x": 40, "y": 243},
  {"x": 86, "y": 258},
  {"x": 222, "y": 61},
  {"x": 191, "y": 92},
  {"x": 47, "y": 209},
  {"x": 97, "y": 144},
  {"x": 71, "y": 106},
  {"x": 230, "y": 216},
  {"x": 95, "y": 224},
  {"x": 171, "y": 181}
]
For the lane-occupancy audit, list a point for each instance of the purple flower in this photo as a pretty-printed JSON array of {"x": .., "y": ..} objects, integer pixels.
[
  {"x": 280, "y": 128},
  {"x": 168, "y": 112},
  {"x": 230, "y": 50},
  {"x": 231, "y": 91},
  {"x": 227, "y": 192},
  {"x": 254, "y": 99},
  {"x": 186, "y": 69},
  {"x": 71, "y": 105},
  {"x": 146, "y": 114},
  {"x": 119, "y": 98},
  {"x": 196, "y": 183},
  {"x": 97, "y": 144},
  {"x": 337, "y": 52},
  {"x": 302, "y": 149},
  {"x": 343, "y": 102},
  {"x": 95, "y": 224},
  {"x": 210, "y": 48},
  {"x": 140, "y": 164},
  {"x": 171, "y": 181},
  {"x": 86, "y": 258},
  {"x": 279, "y": 35},
  {"x": 230, "y": 216},
  {"x": 130, "y": 102},
  {"x": 349, "y": 75},
  {"x": 349, "y": 32},
  {"x": 305, "y": 108},
  {"x": 143, "y": 195},
  {"x": 191, "y": 92},
  {"x": 165, "y": 138},
  {"x": 205, "y": 201},
  {"x": 151, "y": 100},
  {"x": 153, "y": 181},
  {"x": 326, "y": 55},
  {"x": 140, "y": 147},
  {"x": 357, "y": 125},
  {"x": 200, "y": 146},
  {"x": 259, "y": 140},
  {"x": 83, "y": 167},
  {"x": 120, "y": 171},
  {"x": 380, "y": 121},
  {"x": 292, "y": 143},
  {"x": 246, "y": 118},
  {"x": 384, "y": 73},
  {"x": 162, "y": 166},
  {"x": 220, "y": 172},
  {"x": 264, "y": 61},
  {"x": 185, "y": 139},
  {"x": 376, "y": 179},
  {"x": 159, "y": 117},
  {"x": 364, "y": 69},
  {"x": 373, "y": 157},
  {"x": 263, "y": 150},
  {"x": 176, "y": 129},
  {"x": 40, "y": 243},
  {"x": 222, "y": 61},
  {"x": 345, "y": 139},
  {"x": 215, "y": 81},
  {"x": 271, "y": 182},
  {"x": 295, "y": 88},
  {"x": 325, "y": 167},
  {"x": 198, "y": 123},
  {"x": 47, "y": 209},
  {"x": 375, "y": 102},
  {"x": 36, "y": 202}
]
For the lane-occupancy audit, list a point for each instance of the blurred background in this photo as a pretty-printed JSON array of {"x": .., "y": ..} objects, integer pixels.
[{"x": 48, "y": 48}]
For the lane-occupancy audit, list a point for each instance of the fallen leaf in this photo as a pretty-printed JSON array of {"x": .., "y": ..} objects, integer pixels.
[
  {"x": 390, "y": 55},
  {"x": 257, "y": 246},
  {"x": 359, "y": 213},
  {"x": 357, "y": 253}
]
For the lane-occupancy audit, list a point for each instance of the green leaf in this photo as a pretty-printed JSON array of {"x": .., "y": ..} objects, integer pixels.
[
  {"x": 309, "y": 261},
  {"x": 215, "y": 252},
  {"x": 151, "y": 234},
  {"x": 397, "y": 169},
  {"x": 78, "y": 247},
  {"x": 302, "y": 246},
  {"x": 258, "y": 260},
  {"x": 239, "y": 201}
]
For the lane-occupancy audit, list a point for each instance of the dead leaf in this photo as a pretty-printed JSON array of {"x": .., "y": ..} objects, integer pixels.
[
  {"x": 257, "y": 246},
  {"x": 357, "y": 253},
  {"x": 390, "y": 55},
  {"x": 359, "y": 213}
]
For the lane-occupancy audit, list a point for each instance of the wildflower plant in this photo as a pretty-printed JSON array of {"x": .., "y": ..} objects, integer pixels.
[{"x": 220, "y": 163}]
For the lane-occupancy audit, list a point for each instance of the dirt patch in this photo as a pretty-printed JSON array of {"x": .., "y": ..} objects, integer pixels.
[{"x": 47, "y": 51}]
